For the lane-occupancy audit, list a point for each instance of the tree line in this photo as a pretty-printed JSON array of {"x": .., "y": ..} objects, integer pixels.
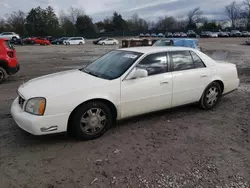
[{"x": 44, "y": 21}]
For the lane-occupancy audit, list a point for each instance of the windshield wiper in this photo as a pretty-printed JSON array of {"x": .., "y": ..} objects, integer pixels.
[{"x": 91, "y": 73}]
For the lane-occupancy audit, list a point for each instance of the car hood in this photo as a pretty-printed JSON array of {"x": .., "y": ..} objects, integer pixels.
[{"x": 59, "y": 83}]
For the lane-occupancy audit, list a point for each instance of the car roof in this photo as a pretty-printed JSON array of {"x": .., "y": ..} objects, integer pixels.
[{"x": 155, "y": 49}]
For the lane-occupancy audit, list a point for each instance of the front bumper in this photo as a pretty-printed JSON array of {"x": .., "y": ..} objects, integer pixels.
[
  {"x": 38, "y": 125},
  {"x": 13, "y": 70}
]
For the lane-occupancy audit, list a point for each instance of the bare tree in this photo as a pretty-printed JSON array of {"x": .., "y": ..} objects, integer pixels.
[
  {"x": 67, "y": 26},
  {"x": 246, "y": 12},
  {"x": 233, "y": 11},
  {"x": 137, "y": 23},
  {"x": 2, "y": 25},
  {"x": 166, "y": 23},
  {"x": 194, "y": 16},
  {"x": 74, "y": 13},
  {"x": 15, "y": 21}
]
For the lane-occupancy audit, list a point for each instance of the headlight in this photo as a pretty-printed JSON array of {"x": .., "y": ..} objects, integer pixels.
[{"x": 36, "y": 106}]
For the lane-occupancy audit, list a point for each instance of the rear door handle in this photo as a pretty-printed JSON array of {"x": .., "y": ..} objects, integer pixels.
[
  {"x": 203, "y": 76},
  {"x": 164, "y": 82}
]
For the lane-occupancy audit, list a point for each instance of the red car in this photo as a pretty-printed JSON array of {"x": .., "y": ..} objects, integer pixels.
[
  {"x": 37, "y": 40},
  {"x": 8, "y": 60}
]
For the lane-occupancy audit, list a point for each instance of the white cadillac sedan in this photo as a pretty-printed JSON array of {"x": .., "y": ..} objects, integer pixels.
[{"x": 123, "y": 83}]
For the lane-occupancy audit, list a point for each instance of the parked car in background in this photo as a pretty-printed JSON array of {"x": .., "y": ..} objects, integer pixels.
[
  {"x": 184, "y": 42},
  {"x": 121, "y": 84},
  {"x": 8, "y": 60},
  {"x": 206, "y": 34},
  {"x": 153, "y": 35},
  {"x": 74, "y": 41},
  {"x": 97, "y": 40},
  {"x": 108, "y": 41},
  {"x": 245, "y": 33},
  {"x": 176, "y": 34},
  {"x": 183, "y": 35},
  {"x": 9, "y": 35},
  {"x": 192, "y": 34},
  {"x": 235, "y": 33},
  {"x": 160, "y": 35},
  {"x": 147, "y": 35},
  {"x": 168, "y": 35},
  {"x": 16, "y": 41},
  {"x": 51, "y": 38},
  {"x": 141, "y": 35},
  {"x": 37, "y": 40},
  {"x": 59, "y": 40},
  {"x": 223, "y": 34},
  {"x": 214, "y": 34}
]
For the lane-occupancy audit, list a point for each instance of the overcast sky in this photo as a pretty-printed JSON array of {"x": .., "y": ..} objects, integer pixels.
[{"x": 148, "y": 9}]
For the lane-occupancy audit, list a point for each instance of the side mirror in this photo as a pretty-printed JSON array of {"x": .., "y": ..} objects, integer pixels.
[{"x": 137, "y": 73}]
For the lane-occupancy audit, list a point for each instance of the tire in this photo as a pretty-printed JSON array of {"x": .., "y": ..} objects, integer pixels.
[
  {"x": 211, "y": 96},
  {"x": 90, "y": 129},
  {"x": 3, "y": 75},
  {"x": 103, "y": 43},
  {"x": 57, "y": 43},
  {"x": 114, "y": 43},
  {"x": 80, "y": 43},
  {"x": 14, "y": 38}
]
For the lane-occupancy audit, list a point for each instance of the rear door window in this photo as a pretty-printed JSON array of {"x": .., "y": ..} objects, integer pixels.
[
  {"x": 181, "y": 60},
  {"x": 198, "y": 63}
]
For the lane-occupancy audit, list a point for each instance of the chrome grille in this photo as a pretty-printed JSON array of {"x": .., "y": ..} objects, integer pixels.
[{"x": 21, "y": 101}]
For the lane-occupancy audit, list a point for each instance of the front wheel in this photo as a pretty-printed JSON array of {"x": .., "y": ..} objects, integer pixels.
[
  {"x": 3, "y": 75},
  {"x": 103, "y": 43},
  {"x": 211, "y": 96},
  {"x": 90, "y": 120}
]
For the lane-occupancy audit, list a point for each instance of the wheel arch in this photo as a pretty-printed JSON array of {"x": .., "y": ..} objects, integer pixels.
[
  {"x": 105, "y": 101},
  {"x": 216, "y": 81},
  {"x": 220, "y": 83},
  {"x": 4, "y": 64}
]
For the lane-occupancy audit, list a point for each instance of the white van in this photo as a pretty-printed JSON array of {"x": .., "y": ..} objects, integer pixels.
[{"x": 74, "y": 40}]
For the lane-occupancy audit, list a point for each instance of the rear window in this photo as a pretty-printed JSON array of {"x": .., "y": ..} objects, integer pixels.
[{"x": 8, "y": 45}]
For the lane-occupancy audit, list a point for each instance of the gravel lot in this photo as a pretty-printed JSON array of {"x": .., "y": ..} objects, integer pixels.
[{"x": 182, "y": 147}]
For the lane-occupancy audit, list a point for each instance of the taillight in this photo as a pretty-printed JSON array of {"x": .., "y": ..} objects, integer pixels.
[{"x": 10, "y": 54}]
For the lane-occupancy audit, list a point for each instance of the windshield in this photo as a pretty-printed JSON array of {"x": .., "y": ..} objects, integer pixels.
[
  {"x": 112, "y": 65},
  {"x": 163, "y": 43},
  {"x": 63, "y": 38}
]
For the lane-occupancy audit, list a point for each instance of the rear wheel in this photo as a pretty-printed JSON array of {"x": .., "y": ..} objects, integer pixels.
[
  {"x": 90, "y": 120},
  {"x": 211, "y": 96},
  {"x": 80, "y": 43},
  {"x": 3, "y": 74},
  {"x": 114, "y": 43},
  {"x": 103, "y": 43}
]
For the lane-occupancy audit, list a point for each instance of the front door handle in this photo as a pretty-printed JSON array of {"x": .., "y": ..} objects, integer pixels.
[{"x": 164, "y": 82}]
